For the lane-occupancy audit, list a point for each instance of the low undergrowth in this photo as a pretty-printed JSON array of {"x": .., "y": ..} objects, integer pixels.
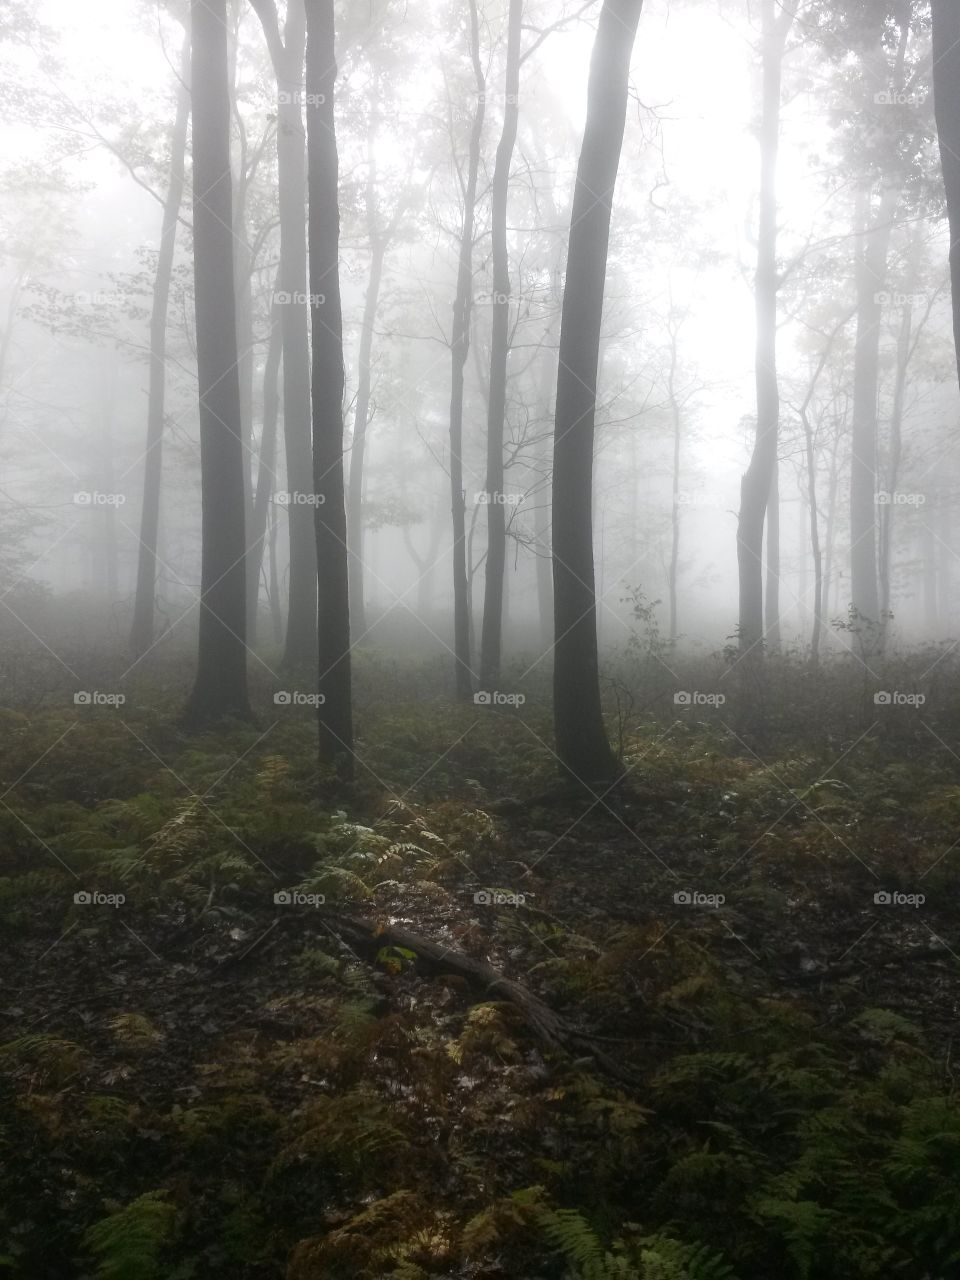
[{"x": 202, "y": 1077}]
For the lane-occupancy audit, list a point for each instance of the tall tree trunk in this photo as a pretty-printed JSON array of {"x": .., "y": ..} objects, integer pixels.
[
  {"x": 333, "y": 635},
  {"x": 541, "y": 518},
  {"x": 276, "y": 616},
  {"x": 361, "y": 417},
  {"x": 815, "y": 548},
  {"x": 109, "y": 552},
  {"x": 673, "y": 570},
  {"x": 582, "y": 746},
  {"x": 946, "y": 99},
  {"x": 771, "y": 604},
  {"x": 141, "y": 638},
  {"x": 221, "y": 681},
  {"x": 459, "y": 348},
  {"x": 756, "y": 487},
  {"x": 287, "y": 54},
  {"x": 893, "y": 466},
  {"x": 266, "y": 472},
  {"x": 870, "y": 275},
  {"x": 491, "y": 633}
]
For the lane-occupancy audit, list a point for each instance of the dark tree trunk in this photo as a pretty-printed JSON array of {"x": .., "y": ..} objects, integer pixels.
[
  {"x": 459, "y": 348},
  {"x": 141, "y": 639},
  {"x": 221, "y": 682},
  {"x": 336, "y": 710},
  {"x": 946, "y": 98},
  {"x": 582, "y": 746},
  {"x": 492, "y": 629},
  {"x": 757, "y": 485},
  {"x": 287, "y": 54}
]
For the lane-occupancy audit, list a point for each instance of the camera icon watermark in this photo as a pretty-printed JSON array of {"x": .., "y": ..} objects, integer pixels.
[
  {"x": 296, "y": 97},
  {"x": 294, "y": 698},
  {"x": 497, "y": 499},
  {"x": 94, "y": 898},
  {"x": 899, "y": 98},
  {"x": 88, "y": 498},
  {"x": 885, "y": 898},
  {"x": 294, "y": 898},
  {"x": 494, "y": 698},
  {"x": 283, "y": 298},
  {"x": 894, "y": 698},
  {"x": 694, "y": 698},
  {"x": 98, "y": 299},
  {"x": 884, "y": 498},
  {"x": 692, "y": 898},
  {"x": 498, "y": 898},
  {"x": 299, "y": 499},
  {"x": 94, "y": 698}
]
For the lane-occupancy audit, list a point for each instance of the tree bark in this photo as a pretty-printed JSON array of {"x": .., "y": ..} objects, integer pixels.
[
  {"x": 333, "y": 632},
  {"x": 221, "y": 681},
  {"x": 757, "y": 485},
  {"x": 141, "y": 638},
  {"x": 266, "y": 469},
  {"x": 871, "y": 274},
  {"x": 582, "y": 746},
  {"x": 492, "y": 628},
  {"x": 287, "y": 54},
  {"x": 946, "y": 100},
  {"x": 459, "y": 348}
]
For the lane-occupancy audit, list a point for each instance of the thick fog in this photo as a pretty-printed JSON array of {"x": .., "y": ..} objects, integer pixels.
[{"x": 90, "y": 105}]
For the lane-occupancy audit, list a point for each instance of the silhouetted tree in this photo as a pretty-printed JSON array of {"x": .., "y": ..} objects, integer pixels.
[
  {"x": 143, "y": 610},
  {"x": 582, "y": 745},
  {"x": 333, "y": 632},
  {"x": 946, "y": 101},
  {"x": 287, "y": 54},
  {"x": 491, "y": 634},
  {"x": 221, "y": 682}
]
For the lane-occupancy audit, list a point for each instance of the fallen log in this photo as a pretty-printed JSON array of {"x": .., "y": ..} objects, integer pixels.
[{"x": 554, "y": 1031}]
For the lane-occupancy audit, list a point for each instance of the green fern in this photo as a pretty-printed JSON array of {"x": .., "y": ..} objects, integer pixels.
[{"x": 128, "y": 1244}]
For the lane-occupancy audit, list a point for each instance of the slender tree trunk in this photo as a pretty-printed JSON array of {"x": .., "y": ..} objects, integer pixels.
[
  {"x": 757, "y": 486},
  {"x": 276, "y": 615},
  {"x": 109, "y": 557},
  {"x": 831, "y": 579},
  {"x": 946, "y": 97},
  {"x": 287, "y": 54},
  {"x": 221, "y": 681},
  {"x": 582, "y": 746},
  {"x": 871, "y": 274},
  {"x": 541, "y": 535},
  {"x": 491, "y": 633},
  {"x": 336, "y": 710},
  {"x": 673, "y": 571},
  {"x": 771, "y": 604},
  {"x": 141, "y": 638},
  {"x": 361, "y": 417},
  {"x": 815, "y": 549},
  {"x": 893, "y": 466},
  {"x": 459, "y": 348},
  {"x": 266, "y": 472}
]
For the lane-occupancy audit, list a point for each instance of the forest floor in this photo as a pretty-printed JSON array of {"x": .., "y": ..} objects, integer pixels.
[{"x": 201, "y": 1079}]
